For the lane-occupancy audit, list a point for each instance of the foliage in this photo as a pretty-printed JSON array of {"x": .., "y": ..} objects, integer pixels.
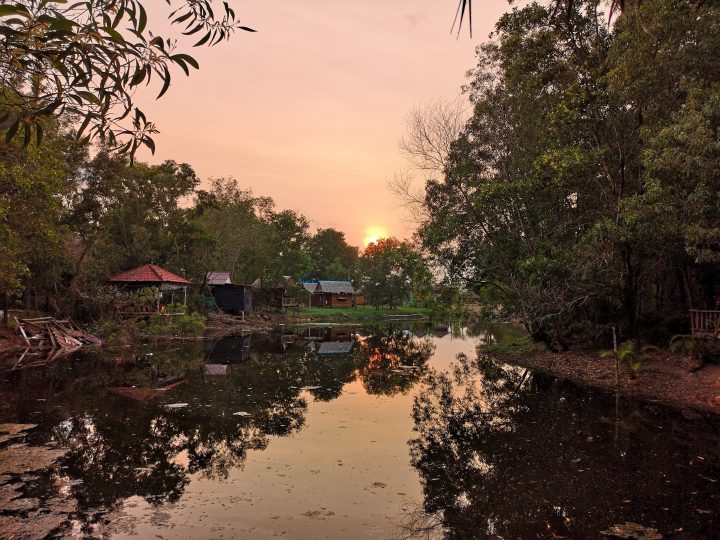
[
  {"x": 272, "y": 244},
  {"x": 332, "y": 257},
  {"x": 630, "y": 354},
  {"x": 35, "y": 184},
  {"x": 86, "y": 59},
  {"x": 705, "y": 350},
  {"x": 191, "y": 324},
  {"x": 391, "y": 270},
  {"x": 513, "y": 346},
  {"x": 583, "y": 190}
]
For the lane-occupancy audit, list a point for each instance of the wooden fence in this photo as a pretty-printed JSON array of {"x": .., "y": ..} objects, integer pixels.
[{"x": 705, "y": 323}]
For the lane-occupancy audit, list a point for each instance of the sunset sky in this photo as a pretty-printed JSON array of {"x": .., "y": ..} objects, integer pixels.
[{"x": 309, "y": 109}]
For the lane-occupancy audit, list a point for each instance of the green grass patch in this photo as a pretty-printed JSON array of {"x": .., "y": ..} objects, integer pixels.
[
  {"x": 516, "y": 346},
  {"x": 360, "y": 313}
]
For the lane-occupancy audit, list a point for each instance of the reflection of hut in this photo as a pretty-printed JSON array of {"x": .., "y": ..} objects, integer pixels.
[
  {"x": 332, "y": 347},
  {"x": 145, "y": 394},
  {"x": 228, "y": 349},
  {"x": 330, "y": 333},
  {"x": 153, "y": 276},
  {"x": 215, "y": 369}
]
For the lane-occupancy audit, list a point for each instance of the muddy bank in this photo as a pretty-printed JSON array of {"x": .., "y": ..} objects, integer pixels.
[{"x": 664, "y": 378}]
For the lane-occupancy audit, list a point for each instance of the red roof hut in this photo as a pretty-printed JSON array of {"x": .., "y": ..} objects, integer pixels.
[{"x": 152, "y": 275}]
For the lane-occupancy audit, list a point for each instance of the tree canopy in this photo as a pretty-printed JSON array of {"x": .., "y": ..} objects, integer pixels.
[
  {"x": 85, "y": 59},
  {"x": 583, "y": 190}
]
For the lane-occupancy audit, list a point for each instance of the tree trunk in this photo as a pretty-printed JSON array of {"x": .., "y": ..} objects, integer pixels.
[{"x": 629, "y": 293}]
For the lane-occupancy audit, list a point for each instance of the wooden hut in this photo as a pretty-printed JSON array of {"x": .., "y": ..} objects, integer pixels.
[
  {"x": 336, "y": 293},
  {"x": 168, "y": 285}
]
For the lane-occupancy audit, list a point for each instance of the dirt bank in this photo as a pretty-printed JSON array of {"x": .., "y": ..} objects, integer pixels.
[{"x": 664, "y": 378}]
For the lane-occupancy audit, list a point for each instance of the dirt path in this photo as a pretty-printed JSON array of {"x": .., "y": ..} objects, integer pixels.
[{"x": 664, "y": 378}]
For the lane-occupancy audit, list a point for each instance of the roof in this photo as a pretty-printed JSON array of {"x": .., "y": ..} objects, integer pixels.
[
  {"x": 336, "y": 287},
  {"x": 148, "y": 273},
  {"x": 218, "y": 278},
  {"x": 310, "y": 286}
]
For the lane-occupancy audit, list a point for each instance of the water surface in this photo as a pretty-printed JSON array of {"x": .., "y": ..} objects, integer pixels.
[{"x": 392, "y": 432}]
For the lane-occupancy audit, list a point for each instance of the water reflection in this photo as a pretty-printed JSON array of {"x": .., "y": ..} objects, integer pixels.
[
  {"x": 143, "y": 422},
  {"x": 503, "y": 452}
]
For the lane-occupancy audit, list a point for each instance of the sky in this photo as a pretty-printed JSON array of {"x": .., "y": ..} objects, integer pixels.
[{"x": 310, "y": 108}]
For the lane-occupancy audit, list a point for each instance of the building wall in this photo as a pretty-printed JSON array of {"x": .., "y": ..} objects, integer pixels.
[{"x": 337, "y": 300}]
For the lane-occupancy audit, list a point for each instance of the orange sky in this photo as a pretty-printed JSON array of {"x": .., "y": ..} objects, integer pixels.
[{"x": 309, "y": 109}]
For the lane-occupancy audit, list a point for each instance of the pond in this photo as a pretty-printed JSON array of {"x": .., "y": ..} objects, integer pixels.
[{"x": 399, "y": 431}]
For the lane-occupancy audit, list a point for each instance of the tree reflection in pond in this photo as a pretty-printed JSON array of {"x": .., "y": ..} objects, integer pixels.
[
  {"x": 109, "y": 410},
  {"x": 506, "y": 453},
  {"x": 393, "y": 361}
]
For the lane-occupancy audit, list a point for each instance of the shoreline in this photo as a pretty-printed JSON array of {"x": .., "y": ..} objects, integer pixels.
[{"x": 666, "y": 379}]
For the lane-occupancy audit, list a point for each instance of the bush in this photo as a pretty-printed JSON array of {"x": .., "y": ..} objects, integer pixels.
[{"x": 191, "y": 324}]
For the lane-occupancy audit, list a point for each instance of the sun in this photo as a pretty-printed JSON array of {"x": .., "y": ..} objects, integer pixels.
[{"x": 374, "y": 233}]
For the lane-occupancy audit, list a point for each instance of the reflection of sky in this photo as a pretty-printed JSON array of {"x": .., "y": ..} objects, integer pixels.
[{"x": 346, "y": 473}]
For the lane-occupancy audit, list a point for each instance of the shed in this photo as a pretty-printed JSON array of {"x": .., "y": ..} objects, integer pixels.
[{"x": 233, "y": 298}]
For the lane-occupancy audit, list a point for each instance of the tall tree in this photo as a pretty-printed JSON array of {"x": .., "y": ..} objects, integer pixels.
[
  {"x": 332, "y": 257},
  {"x": 390, "y": 271}
]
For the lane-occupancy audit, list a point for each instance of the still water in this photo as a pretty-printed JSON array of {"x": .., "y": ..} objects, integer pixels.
[{"x": 341, "y": 432}]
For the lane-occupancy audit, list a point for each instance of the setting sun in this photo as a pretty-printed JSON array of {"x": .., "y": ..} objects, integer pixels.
[{"x": 373, "y": 234}]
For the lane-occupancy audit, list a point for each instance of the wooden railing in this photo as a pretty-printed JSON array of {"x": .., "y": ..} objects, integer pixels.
[
  {"x": 289, "y": 302},
  {"x": 705, "y": 323}
]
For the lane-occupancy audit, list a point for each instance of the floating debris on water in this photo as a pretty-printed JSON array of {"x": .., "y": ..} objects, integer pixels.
[{"x": 176, "y": 405}]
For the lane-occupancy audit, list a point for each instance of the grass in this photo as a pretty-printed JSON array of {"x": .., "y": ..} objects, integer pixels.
[
  {"x": 516, "y": 346},
  {"x": 360, "y": 313}
]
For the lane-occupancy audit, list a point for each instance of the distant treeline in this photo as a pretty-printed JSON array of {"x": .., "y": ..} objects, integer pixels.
[
  {"x": 584, "y": 191},
  {"x": 70, "y": 219}
]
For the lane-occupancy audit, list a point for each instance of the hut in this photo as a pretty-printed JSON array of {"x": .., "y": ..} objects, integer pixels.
[
  {"x": 153, "y": 276},
  {"x": 280, "y": 294},
  {"x": 336, "y": 293},
  {"x": 232, "y": 298}
]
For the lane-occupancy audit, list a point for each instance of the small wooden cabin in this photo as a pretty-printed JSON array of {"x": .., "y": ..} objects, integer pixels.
[
  {"x": 335, "y": 294},
  {"x": 232, "y": 298}
]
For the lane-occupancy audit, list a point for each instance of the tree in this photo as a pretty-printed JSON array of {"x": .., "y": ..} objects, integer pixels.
[
  {"x": 332, "y": 257},
  {"x": 389, "y": 270},
  {"x": 36, "y": 183},
  {"x": 86, "y": 59},
  {"x": 580, "y": 190},
  {"x": 430, "y": 131},
  {"x": 249, "y": 238}
]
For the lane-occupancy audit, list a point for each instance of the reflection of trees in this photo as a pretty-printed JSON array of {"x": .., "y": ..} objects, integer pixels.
[
  {"x": 502, "y": 452},
  {"x": 383, "y": 360},
  {"x": 120, "y": 447}
]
